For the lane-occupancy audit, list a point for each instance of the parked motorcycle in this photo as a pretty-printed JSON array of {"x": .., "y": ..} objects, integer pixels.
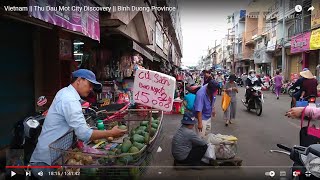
[
  {"x": 255, "y": 101},
  {"x": 304, "y": 161},
  {"x": 27, "y": 131}
]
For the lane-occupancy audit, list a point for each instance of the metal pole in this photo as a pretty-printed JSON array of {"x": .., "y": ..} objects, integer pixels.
[{"x": 283, "y": 40}]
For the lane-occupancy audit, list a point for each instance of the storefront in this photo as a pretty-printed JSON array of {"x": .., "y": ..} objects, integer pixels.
[
  {"x": 17, "y": 72},
  {"x": 314, "y": 55},
  {"x": 299, "y": 52}
]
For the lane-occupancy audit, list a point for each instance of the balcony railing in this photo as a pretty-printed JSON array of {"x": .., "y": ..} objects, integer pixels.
[{"x": 273, "y": 7}]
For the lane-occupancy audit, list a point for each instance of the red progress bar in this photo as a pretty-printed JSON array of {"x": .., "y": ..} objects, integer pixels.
[{"x": 39, "y": 167}]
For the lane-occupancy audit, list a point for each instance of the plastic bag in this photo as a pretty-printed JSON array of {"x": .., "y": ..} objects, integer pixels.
[
  {"x": 210, "y": 153},
  {"x": 88, "y": 149},
  {"x": 225, "y": 146},
  {"x": 225, "y": 102}
]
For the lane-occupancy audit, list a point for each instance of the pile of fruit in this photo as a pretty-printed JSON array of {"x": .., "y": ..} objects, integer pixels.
[{"x": 128, "y": 151}]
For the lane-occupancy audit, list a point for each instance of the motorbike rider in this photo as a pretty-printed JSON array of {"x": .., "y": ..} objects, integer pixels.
[
  {"x": 251, "y": 81},
  {"x": 309, "y": 85},
  {"x": 298, "y": 83}
]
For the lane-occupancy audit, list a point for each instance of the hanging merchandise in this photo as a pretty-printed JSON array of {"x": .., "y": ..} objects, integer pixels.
[
  {"x": 138, "y": 63},
  {"x": 126, "y": 66}
]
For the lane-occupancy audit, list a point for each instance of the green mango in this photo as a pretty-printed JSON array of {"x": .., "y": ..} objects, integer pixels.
[
  {"x": 126, "y": 159},
  {"x": 138, "y": 138},
  {"x": 153, "y": 132},
  {"x": 126, "y": 146},
  {"x": 123, "y": 127},
  {"x": 144, "y": 123},
  {"x": 143, "y": 128},
  {"x": 133, "y": 149},
  {"x": 146, "y": 137},
  {"x": 140, "y": 132},
  {"x": 154, "y": 125},
  {"x": 138, "y": 145}
]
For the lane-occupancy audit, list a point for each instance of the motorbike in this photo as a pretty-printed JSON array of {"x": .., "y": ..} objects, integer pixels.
[
  {"x": 239, "y": 81},
  {"x": 304, "y": 160},
  {"x": 311, "y": 101},
  {"x": 255, "y": 101},
  {"x": 291, "y": 92},
  {"x": 27, "y": 131}
]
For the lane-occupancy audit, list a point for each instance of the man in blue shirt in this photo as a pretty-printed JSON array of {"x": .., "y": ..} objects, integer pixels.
[
  {"x": 203, "y": 108},
  {"x": 65, "y": 114}
]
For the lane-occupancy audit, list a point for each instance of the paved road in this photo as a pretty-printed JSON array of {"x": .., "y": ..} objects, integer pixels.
[{"x": 257, "y": 135}]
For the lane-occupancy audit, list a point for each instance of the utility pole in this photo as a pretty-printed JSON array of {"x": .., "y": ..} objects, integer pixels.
[{"x": 283, "y": 40}]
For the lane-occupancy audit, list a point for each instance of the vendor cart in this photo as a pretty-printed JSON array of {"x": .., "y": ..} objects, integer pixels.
[{"x": 110, "y": 158}]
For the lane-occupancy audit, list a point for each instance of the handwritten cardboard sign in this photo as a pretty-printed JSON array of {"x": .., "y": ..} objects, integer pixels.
[{"x": 154, "y": 89}]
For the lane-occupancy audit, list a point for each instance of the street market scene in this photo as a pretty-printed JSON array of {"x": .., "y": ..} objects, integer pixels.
[{"x": 160, "y": 89}]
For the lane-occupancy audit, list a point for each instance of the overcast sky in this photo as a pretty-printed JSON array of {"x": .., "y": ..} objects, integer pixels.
[{"x": 202, "y": 22}]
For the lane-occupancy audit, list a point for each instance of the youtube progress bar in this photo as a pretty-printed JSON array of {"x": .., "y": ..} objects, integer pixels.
[{"x": 38, "y": 167}]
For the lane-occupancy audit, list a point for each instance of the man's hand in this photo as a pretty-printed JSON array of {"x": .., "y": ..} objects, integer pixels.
[
  {"x": 295, "y": 112},
  {"x": 200, "y": 127},
  {"x": 213, "y": 114},
  {"x": 116, "y": 132}
]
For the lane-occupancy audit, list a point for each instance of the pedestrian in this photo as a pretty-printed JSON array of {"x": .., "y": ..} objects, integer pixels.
[
  {"x": 203, "y": 108},
  {"x": 189, "y": 98},
  {"x": 220, "y": 79},
  {"x": 231, "y": 89},
  {"x": 278, "y": 82},
  {"x": 297, "y": 86},
  {"x": 187, "y": 147},
  {"x": 207, "y": 77},
  {"x": 65, "y": 113}
]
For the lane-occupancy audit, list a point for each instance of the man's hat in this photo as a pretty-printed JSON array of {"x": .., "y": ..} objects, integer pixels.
[
  {"x": 188, "y": 119},
  {"x": 213, "y": 85},
  {"x": 88, "y": 75}
]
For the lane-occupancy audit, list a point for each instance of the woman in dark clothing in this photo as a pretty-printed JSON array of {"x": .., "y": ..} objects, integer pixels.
[{"x": 309, "y": 85}]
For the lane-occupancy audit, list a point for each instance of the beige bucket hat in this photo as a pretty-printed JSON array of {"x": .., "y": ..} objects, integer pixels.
[{"x": 307, "y": 74}]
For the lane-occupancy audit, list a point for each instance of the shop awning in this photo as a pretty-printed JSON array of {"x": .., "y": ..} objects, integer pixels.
[
  {"x": 141, "y": 50},
  {"x": 156, "y": 58}
]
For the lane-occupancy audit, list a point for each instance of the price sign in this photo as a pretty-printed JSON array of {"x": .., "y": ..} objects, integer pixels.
[{"x": 154, "y": 89}]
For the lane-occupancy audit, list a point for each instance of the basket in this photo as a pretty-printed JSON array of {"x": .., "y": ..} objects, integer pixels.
[
  {"x": 62, "y": 150},
  {"x": 142, "y": 113}
]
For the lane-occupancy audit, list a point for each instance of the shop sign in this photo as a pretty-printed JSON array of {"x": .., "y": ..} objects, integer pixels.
[
  {"x": 315, "y": 14},
  {"x": 315, "y": 39},
  {"x": 300, "y": 43},
  {"x": 154, "y": 89},
  {"x": 69, "y": 14}
]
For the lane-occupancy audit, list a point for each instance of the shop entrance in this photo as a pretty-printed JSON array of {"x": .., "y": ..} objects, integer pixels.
[{"x": 17, "y": 71}]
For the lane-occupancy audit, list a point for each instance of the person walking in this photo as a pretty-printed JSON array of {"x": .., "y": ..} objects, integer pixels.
[
  {"x": 231, "y": 89},
  {"x": 278, "y": 81}
]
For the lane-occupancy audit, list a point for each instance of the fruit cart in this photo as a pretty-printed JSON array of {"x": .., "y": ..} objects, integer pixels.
[{"x": 123, "y": 158}]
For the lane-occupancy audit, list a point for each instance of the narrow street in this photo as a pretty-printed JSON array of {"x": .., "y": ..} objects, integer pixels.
[{"x": 257, "y": 135}]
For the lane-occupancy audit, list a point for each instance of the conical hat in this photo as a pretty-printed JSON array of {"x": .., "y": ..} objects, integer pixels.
[{"x": 307, "y": 74}]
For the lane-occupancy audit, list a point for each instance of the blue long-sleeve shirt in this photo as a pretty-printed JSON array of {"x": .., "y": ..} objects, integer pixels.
[{"x": 65, "y": 113}]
